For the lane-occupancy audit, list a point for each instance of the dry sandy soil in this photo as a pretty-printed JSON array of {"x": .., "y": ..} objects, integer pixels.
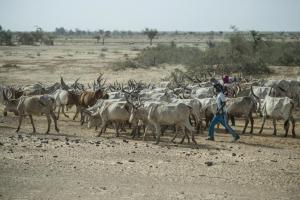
[{"x": 74, "y": 164}]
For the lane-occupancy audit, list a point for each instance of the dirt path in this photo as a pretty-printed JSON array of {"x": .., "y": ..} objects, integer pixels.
[{"x": 74, "y": 164}]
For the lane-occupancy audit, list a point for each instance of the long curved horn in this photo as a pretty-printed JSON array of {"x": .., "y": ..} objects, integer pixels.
[
  {"x": 4, "y": 96},
  {"x": 75, "y": 83},
  {"x": 63, "y": 84},
  {"x": 257, "y": 99},
  {"x": 252, "y": 93}
]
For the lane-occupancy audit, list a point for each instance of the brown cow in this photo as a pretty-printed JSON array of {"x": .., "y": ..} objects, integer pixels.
[{"x": 89, "y": 98}]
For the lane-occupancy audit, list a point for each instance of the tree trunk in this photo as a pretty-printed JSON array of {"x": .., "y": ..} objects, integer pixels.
[
  {"x": 151, "y": 42},
  {"x": 102, "y": 41}
]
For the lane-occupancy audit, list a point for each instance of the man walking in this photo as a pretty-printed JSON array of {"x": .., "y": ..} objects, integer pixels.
[{"x": 220, "y": 116}]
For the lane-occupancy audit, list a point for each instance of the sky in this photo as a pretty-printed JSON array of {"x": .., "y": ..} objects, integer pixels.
[{"x": 163, "y": 15}]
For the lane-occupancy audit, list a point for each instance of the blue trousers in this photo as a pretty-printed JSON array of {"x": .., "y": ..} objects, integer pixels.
[{"x": 218, "y": 118}]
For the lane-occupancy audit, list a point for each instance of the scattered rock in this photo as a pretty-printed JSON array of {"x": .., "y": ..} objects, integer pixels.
[
  {"x": 187, "y": 154},
  {"x": 76, "y": 141},
  {"x": 20, "y": 157},
  {"x": 97, "y": 142},
  {"x": 209, "y": 163},
  {"x": 126, "y": 141},
  {"x": 273, "y": 160},
  {"x": 103, "y": 188},
  {"x": 132, "y": 151},
  {"x": 1, "y": 144},
  {"x": 44, "y": 141},
  {"x": 131, "y": 160},
  {"x": 67, "y": 143},
  {"x": 55, "y": 156},
  {"x": 40, "y": 145},
  {"x": 258, "y": 150},
  {"x": 120, "y": 163},
  {"x": 233, "y": 154}
]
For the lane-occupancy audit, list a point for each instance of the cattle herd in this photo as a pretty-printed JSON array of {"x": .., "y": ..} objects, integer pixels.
[{"x": 155, "y": 108}]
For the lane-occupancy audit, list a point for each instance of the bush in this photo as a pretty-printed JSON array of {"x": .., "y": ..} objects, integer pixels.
[{"x": 247, "y": 54}]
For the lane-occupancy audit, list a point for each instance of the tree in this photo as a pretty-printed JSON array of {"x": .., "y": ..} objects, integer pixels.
[
  {"x": 257, "y": 39},
  {"x": 102, "y": 34},
  {"x": 97, "y": 37},
  {"x": 5, "y": 37},
  {"x": 26, "y": 38},
  {"x": 151, "y": 33},
  {"x": 60, "y": 31}
]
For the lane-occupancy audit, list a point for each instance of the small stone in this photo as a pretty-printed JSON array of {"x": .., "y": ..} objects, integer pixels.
[
  {"x": 1, "y": 144},
  {"x": 209, "y": 163},
  {"x": 233, "y": 154},
  {"x": 126, "y": 141},
  {"x": 40, "y": 145},
  {"x": 55, "y": 156},
  {"x": 44, "y": 141},
  {"x": 67, "y": 143},
  {"x": 20, "y": 157},
  {"x": 131, "y": 160},
  {"x": 120, "y": 163},
  {"x": 132, "y": 151},
  {"x": 273, "y": 160},
  {"x": 103, "y": 188},
  {"x": 97, "y": 142}
]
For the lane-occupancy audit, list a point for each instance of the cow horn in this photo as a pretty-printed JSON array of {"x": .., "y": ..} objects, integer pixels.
[
  {"x": 63, "y": 84},
  {"x": 4, "y": 96}
]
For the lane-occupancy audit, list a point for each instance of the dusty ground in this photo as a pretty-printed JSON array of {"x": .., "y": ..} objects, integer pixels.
[{"x": 74, "y": 164}]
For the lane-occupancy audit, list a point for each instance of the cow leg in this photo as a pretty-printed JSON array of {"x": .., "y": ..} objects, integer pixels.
[
  {"x": 77, "y": 111},
  {"x": 117, "y": 125},
  {"x": 252, "y": 122},
  {"x": 232, "y": 119},
  {"x": 246, "y": 125},
  {"x": 158, "y": 133},
  {"x": 55, "y": 121},
  {"x": 176, "y": 133},
  {"x": 286, "y": 127},
  {"x": 20, "y": 122},
  {"x": 274, "y": 125},
  {"x": 293, "y": 126},
  {"x": 191, "y": 130},
  {"x": 63, "y": 111},
  {"x": 103, "y": 127},
  {"x": 31, "y": 120},
  {"x": 58, "y": 112},
  {"x": 185, "y": 135},
  {"x": 4, "y": 112},
  {"x": 49, "y": 123},
  {"x": 145, "y": 132},
  {"x": 263, "y": 124}
]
